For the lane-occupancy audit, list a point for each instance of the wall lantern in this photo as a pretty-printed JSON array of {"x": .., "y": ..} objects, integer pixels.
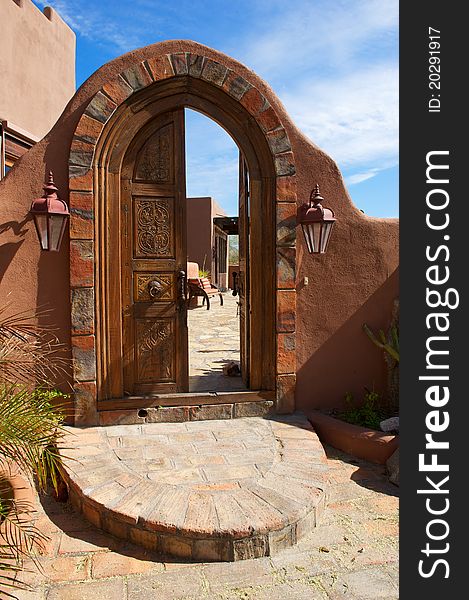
[
  {"x": 316, "y": 222},
  {"x": 50, "y": 217}
]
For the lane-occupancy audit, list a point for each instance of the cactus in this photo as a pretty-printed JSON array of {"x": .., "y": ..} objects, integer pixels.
[{"x": 390, "y": 345}]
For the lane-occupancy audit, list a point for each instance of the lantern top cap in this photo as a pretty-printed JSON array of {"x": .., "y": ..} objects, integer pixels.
[
  {"x": 49, "y": 187},
  {"x": 49, "y": 202},
  {"x": 315, "y": 197}
]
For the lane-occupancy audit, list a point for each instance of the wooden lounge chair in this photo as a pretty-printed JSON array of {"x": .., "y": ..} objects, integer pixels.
[{"x": 201, "y": 286}]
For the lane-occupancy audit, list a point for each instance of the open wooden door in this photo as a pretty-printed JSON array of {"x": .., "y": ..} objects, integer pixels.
[
  {"x": 243, "y": 276},
  {"x": 153, "y": 202}
]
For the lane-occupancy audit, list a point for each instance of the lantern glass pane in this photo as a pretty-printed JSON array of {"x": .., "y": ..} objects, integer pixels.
[
  {"x": 56, "y": 228},
  {"x": 41, "y": 227},
  {"x": 312, "y": 233},
  {"x": 326, "y": 232}
]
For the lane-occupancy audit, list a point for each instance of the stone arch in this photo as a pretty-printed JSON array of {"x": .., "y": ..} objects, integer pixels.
[{"x": 202, "y": 77}]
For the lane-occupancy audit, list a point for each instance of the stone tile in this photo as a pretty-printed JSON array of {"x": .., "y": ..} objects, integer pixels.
[
  {"x": 88, "y": 129},
  {"x": 286, "y": 353},
  {"x": 286, "y": 274},
  {"x": 82, "y": 310},
  {"x": 92, "y": 590},
  {"x": 253, "y": 101},
  {"x": 223, "y": 577},
  {"x": 299, "y": 562},
  {"x": 117, "y": 89},
  {"x": 167, "y": 585},
  {"x": 84, "y": 357},
  {"x": 201, "y": 515},
  {"x": 88, "y": 540},
  {"x": 81, "y": 178},
  {"x": 137, "y": 77},
  {"x": 366, "y": 584},
  {"x": 85, "y": 403},
  {"x": 226, "y": 472},
  {"x": 268, "y": 120},
  {"x": 111, "y": 564},
  {"x": 175, "y": 546},
  {"x": 66, "y": 568},
  {"x": 284, "y": 164},
  {"x": 195, "y": 64},
  {"x": 292, "y": 590},
  {"x": 286, "y": 311},
  {"x": 278, "y": 141},
  {"x": 160, "y": 67},
  {"x": 286, "y": 393},
  {"x": 179, "y": 63},
  {"x": 214, "y": 72},
  {"x": 81, "y": 263},
  {"x": 31, "y": 594},
  {"x": 235, "y": 85},
  {"x": 286, "y": 189},
  {"x": 81, "y": 152},
  {"x": 211, "y": 411},
  {"x": 100, "y": 108},
  {"x": 286, "y": 224},
  {"x": 170, "y": 414},
  {"x": 81, "y": 216},
  {"x": 252, "y": 409}
]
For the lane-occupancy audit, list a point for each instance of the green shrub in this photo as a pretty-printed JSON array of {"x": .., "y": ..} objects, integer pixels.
[
  {"x": 30, "y": 429},
  {"x": 367, "y": 414}
]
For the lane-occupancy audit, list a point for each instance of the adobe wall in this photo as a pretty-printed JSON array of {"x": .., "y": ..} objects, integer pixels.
[
  {"x": 199, "y": 231},
  {"x": 354, "y": 282},
  {"x": 37, "y": 65}
]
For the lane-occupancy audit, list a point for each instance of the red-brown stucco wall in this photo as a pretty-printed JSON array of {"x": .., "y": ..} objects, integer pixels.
[{"x": 355, "y": 282}]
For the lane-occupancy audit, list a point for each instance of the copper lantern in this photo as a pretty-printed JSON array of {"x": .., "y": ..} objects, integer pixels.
[
  {"x": 50, "y": 217},
  {"x": 316, "y": 222}
]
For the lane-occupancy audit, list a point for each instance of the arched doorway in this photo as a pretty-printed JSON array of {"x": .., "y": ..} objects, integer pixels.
[
  {"x": 141, "y": 162},
  {"x": 129, "y": 112}
]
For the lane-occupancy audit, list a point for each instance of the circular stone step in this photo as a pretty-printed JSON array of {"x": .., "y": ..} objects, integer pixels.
[{"x": 218, "y": 490}]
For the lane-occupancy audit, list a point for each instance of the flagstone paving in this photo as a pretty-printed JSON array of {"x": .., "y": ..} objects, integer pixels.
[
  {"x": 213, "y": 342},
  {"x": 352, "y": 554}
]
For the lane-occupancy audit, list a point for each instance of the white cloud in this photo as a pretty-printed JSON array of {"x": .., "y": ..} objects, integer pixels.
[
  {"x": 360, "y": 177},
  {"x": 90, "y": 22},
  {"x": 320, "y": 34},
  {"x": 353, "y": 117}
]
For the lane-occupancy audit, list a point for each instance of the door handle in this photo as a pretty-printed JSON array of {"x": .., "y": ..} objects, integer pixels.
[
  {"x": 182, "y": 287},
  {"x": 235, "y": 284},
  {"x": 154, "y": 289}
]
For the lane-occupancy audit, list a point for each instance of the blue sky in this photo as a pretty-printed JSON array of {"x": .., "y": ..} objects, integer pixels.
[{"x": 333, "y": 63}]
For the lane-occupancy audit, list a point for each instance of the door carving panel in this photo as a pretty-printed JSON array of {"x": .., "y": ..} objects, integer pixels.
[{"x": 153, "y": 250}]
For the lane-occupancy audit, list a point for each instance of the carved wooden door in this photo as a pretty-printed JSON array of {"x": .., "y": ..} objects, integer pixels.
[
  {"x": 243, "y": 277},
  {"x": 154, "y": 260}
]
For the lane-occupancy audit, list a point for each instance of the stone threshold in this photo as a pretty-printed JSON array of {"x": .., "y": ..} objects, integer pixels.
[
  {"x": 221, "y": 490},
  {"x": 190, "y": 407}
]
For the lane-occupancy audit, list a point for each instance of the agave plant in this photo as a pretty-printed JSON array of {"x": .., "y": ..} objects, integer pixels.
[{"x": 30, "y": 427}]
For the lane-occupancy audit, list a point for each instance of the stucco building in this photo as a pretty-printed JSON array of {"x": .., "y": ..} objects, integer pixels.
[
  {"x": 207, "y": 240},
  {"x": 37, "y": 75}
]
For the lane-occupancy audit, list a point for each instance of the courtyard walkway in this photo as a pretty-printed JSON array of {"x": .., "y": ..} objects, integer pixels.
[
  {"x": 352, "y": 554},
  {"x": 213, "y": 342}
]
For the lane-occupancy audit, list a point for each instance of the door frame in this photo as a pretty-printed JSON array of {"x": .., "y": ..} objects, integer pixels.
[
  {"x": 104, "y": 131},
  {"x": 108, "y": 168}
]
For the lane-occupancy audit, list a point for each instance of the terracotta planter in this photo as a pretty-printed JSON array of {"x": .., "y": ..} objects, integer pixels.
[{"x": 371, "y": 445}]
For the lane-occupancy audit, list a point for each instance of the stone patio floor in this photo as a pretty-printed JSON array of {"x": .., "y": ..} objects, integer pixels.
[
  {"x": 352, "y": 554},
  {"x": 213, "y": 341}
]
